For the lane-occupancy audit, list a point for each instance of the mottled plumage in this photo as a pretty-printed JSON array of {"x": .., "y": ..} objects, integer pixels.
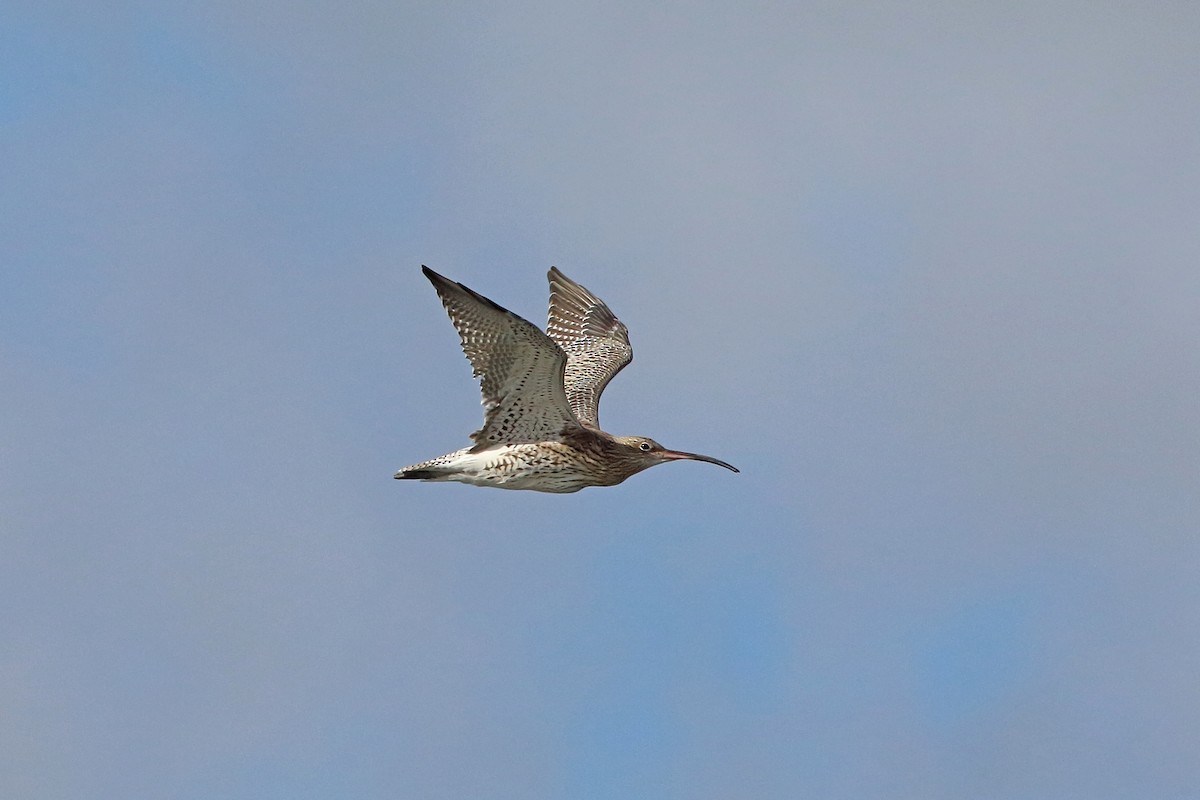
[
  {"x": 519, "y": 367},
  {"x": 595, "y": 341},
  {"x": 541, "y": 395}
]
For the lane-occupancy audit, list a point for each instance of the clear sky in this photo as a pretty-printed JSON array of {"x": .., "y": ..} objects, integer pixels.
[{"x": 929, "y": 274}]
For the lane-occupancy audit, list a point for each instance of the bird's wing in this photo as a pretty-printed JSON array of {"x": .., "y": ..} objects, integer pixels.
[
  {"x": 595, "y": 341},
  {"x": 519, "y": 367}
]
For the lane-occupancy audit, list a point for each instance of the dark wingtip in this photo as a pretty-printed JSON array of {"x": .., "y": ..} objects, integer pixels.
[
  {"x": 444, "y": 284},
  {"x": 555, "y": 275}
]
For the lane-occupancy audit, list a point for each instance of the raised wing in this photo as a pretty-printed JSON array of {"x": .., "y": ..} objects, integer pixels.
[
  {"x": 519, "y": 367},
  {"x": 595, "y": 341}
]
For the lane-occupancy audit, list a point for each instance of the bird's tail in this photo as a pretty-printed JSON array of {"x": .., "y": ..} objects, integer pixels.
[
  {"x": 442, "y": 468},
  {"x": 421, "y": 474}
]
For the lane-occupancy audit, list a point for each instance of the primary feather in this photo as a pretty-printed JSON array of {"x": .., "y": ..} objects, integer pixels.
[
  {"x": 519, "y": 367},
  {"x": 595, "y": 341}
]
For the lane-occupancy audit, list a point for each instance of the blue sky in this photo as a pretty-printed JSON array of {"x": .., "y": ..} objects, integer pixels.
[{"x": 926, "y": 274}]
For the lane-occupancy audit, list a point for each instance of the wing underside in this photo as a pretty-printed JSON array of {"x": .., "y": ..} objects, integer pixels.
[
  {"x": 520, "y": 368},
  {"x": 596, "y": 344}
]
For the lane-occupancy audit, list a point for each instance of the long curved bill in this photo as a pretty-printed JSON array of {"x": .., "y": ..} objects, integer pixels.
[{"x": 677, "y": 455}]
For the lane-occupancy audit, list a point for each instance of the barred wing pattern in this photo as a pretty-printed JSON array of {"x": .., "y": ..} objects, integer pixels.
[
  {"x": 520, "y": 368},
  {"x": 595, "y": 341}
]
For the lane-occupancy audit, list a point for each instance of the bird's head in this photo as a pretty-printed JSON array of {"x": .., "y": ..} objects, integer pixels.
[{"x": 647, "y": 452}]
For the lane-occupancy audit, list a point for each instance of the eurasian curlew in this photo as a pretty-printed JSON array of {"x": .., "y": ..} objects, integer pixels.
[{"x": 541, "y": 395}]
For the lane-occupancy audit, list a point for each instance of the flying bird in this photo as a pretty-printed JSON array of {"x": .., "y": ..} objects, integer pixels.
[{"x": 541, "y": 395}]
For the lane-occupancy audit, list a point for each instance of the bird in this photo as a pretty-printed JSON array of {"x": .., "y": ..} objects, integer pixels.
[{"x": 541, "y": 395}]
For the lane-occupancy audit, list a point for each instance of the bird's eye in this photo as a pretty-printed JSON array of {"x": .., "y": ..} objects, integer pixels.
[{"x": 645, "y": 447}]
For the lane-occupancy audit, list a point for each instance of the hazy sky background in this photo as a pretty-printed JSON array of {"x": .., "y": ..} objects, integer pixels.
[{"x": 929, "y": 274}]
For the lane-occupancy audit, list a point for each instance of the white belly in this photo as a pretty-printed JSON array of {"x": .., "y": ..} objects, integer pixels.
[{"x": 544, "y": 467}]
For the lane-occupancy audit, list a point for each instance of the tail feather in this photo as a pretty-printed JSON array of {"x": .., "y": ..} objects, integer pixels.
[{"x": 419, "y": 474}]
